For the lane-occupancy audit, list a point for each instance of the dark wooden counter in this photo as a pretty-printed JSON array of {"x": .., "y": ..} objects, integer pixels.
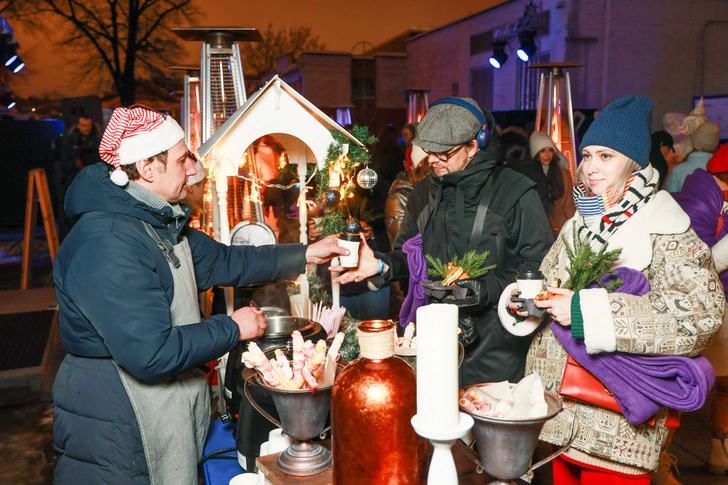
[{"x": 467, "y": 474}]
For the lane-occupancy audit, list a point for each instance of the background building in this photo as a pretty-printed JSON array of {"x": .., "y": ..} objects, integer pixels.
[
  {"x": 370, "y": 84},
  {"x": 669, "y": 50}
]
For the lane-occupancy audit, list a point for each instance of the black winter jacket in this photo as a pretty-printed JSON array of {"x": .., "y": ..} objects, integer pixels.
[{"x": 516, "y": 232}]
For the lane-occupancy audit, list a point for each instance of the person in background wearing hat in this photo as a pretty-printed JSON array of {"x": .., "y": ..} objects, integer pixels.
[
  {"x": 399, "y": 192},
  {"x": 704, "y": 197},
  {"x": 662, "y": 155},
  {"x": 705, "y": 141},
  {"x": 130, "y": 404},
  {"x": 556, "y": 167},
  {"x": 195, "y": 190},
  {"x": 669, "y": 304},
  {"x": 517, "y": 157},
  {"x": 466, "y": 184}
]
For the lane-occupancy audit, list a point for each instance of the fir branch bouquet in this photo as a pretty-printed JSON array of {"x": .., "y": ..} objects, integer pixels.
[
  {"x": 472, "y": 263},
  {"x": 588, "y": 266}
]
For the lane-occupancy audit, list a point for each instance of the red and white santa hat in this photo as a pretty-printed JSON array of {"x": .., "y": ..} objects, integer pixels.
[{"x": 136, "y": 133}]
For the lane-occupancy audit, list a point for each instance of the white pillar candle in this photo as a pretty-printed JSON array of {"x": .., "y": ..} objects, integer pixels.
[
  {"x": 335, "y": 287},
  {"x": 437, "y": 367}
]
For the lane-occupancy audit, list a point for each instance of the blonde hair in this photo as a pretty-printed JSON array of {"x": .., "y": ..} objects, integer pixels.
[{"x": 616, "y": 190}]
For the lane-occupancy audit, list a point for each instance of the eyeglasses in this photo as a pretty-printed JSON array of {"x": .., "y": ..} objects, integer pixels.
[{"x": 445, "y": 156}]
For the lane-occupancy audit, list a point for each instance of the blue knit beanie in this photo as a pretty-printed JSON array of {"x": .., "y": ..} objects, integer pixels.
[{"x": 624, "y": 125}]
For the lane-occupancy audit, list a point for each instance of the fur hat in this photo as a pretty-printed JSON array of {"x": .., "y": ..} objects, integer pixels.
[
  {"x": 134, "y": 134},
  {"x": 199, "y": 176},
  {"x": 706, "y": 137},
  {"x": 417, "y": 156},
  {"x": 718, "y": 163},
  {"x": 624, "y": 125},
  {"x": 539, "y": 141},
  {"x": 694, "y": 119}
]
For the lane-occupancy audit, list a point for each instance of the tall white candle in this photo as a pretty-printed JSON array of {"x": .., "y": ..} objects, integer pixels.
[
  {"x": 437, "y": 367},
  {"x": 335, "y": 287}
]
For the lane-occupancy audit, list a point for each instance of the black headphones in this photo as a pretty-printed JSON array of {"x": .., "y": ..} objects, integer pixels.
[{"x": 483, "y": 136}]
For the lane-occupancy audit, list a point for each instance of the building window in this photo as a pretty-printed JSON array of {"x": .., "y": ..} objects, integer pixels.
[
  {"x": 363, "y": 88},
  {"x": 363, "y": 78},
  {"x": 480, "y": 43},
  {"x": 545, "y": 23},
  {"x": 527, "y": 81},
  {"x": 454, "y": 89},
  {"x": 481, "y": 86}
]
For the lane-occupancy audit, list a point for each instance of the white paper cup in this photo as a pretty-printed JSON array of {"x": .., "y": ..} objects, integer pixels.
[
  {"x": 244, "y": 479},
  {"x": 277, "y": 441},
  {"x": 530, "y": 283},
  {"x": 350, "y": 242}
]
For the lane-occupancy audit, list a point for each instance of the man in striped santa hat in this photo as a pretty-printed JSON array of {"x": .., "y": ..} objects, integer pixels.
[{"x": 131, "y": 405}]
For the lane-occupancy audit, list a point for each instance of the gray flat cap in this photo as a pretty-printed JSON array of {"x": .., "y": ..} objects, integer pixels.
[{"x": 446, "y": 125}]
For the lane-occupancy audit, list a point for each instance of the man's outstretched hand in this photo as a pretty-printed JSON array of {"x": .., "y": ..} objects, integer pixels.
[
  {"x": 325, "y": 250},
  {"x": 368, "y": 265}
]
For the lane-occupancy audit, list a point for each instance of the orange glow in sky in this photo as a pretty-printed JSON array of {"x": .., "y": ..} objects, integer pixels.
[{"x": 339, "y": 24}]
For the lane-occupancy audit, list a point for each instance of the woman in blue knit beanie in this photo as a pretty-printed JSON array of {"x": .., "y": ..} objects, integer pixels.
[{"x": 668, "y": 305}]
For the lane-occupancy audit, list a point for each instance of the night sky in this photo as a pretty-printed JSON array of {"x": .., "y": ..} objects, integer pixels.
[{"x": 339, "y": 24}]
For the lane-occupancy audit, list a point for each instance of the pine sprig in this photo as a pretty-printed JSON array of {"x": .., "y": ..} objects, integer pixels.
[
  {"x": 472, "y": 262},
  {"x": 588, "y": 267},
  {"x": 437, "y": 269}
]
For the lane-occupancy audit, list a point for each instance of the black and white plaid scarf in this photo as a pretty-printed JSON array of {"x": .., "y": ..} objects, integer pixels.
[{"x": 639, "y": 190}]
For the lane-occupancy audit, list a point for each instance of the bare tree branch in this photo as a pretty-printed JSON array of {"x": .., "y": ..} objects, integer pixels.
[
  {"x": 260, "y": 57},
  {"x": 119, "y": 40}
]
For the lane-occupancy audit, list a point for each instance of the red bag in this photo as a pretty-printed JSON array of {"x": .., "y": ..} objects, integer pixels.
[{"x": 580, "y": 384}]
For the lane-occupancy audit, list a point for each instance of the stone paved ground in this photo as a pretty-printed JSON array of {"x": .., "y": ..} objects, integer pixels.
[{"x": 26, "y": 444}]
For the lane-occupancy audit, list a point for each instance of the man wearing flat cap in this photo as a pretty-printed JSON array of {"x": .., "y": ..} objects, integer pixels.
[
  {"x": 469, "y": 202},
  {"x": 130, "y": 404}
]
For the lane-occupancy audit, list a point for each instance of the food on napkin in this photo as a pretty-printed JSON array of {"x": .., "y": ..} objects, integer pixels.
[
  {"x": 525, "y": 400},
  {"x": 408, "y": 340},
  {"x": 310, "y": 367}
]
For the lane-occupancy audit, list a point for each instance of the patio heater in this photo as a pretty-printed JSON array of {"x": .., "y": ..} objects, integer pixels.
[
  {"x": 191, "y": 117},
  {"x": 417, "y": 104},
  {"x": 191, "y": 108},
  {"x": 222, "y": 92},
  {"x": 222, "y": 89},
  {"x": 555, "y": 112}
]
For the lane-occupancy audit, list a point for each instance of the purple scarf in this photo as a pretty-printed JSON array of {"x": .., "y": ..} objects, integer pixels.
[
  {"x": 643, "y": 384},
  {"x": 416, "y": 296}
]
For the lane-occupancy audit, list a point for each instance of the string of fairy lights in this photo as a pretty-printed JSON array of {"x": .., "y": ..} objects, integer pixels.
[{"x": 336, "y": 179}]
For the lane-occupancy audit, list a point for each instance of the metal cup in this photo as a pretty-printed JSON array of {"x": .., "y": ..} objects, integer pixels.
[
  {"x": 303, "y": 416},
  {"x": 506, "y": 446}
]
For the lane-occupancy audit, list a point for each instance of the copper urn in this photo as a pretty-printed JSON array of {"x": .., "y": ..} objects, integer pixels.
[{"x": 372, "y": 403}]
